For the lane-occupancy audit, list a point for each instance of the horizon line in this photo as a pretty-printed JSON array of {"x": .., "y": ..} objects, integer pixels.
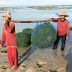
[{"x": 35, "y": 5}]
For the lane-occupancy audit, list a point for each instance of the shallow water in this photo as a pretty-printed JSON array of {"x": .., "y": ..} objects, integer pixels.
[{"x": 26, "y": 14}]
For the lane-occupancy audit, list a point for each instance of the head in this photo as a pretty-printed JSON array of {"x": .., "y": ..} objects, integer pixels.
[
  {"x": 7, "y": 17},
  {"x": 63, "y": 17}
]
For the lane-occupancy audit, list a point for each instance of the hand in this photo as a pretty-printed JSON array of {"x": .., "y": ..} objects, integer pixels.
[
  {"x": 1, "y": 46},
  {"x": 67, "y": 37},
  {"x": 51, "y": 19}
]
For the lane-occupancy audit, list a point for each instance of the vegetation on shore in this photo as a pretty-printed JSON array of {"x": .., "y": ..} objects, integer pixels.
[{"x": 48, "y": 7}]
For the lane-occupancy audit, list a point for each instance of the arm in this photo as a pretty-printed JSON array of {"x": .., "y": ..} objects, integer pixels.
[
  {"x": 3, "y": 38},
  {"x": 68, "y": 29},
  {"x": 10, "y": 28},
  {"x": 52, "y": 19}
]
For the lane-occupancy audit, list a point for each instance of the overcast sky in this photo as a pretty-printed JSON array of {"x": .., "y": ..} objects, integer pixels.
[{"x": 35, "y": 2}]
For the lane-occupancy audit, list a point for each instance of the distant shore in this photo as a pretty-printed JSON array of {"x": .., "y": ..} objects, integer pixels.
[
  {"x": 9, "y": 8},
  {"x": 48, "y": 7},
  {"x": 37, "y": 7}
]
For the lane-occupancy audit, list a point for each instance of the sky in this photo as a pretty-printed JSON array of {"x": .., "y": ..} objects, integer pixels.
[{"x": 35, "y": 2}]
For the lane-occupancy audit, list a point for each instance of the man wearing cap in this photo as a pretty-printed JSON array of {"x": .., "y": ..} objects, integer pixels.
[
  {"x": 9, "y": 36},
  {"x": 62, "y": 30}
]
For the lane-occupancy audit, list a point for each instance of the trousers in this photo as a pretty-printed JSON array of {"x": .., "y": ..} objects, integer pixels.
[
  {"x": 13, "y": 56},
  {"x": 63, "y": 39}
]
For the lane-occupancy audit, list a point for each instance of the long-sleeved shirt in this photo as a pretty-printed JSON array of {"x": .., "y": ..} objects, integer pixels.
[
  {"x": 62, "y": 27},
  {"x": 8, "y": 35}
]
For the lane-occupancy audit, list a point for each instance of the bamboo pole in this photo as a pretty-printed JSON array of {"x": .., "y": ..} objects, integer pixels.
[
  {"x": 33, "y": 21},
  {"x": 36, "y": 21}
]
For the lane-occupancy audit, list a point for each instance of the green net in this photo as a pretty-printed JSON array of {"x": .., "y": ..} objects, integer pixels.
[
  {"x": 27, "y": 30},
  {"x": 24, "y": 37},
  {"x": 43, "y": 35}
]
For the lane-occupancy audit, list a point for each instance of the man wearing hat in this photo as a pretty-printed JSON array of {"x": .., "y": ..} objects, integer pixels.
[
  {"x": 62, "y": 30},
  {"x": 9, "y": 36}
]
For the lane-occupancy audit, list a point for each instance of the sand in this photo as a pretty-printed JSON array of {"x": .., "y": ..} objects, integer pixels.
[{"x": 41, "y": 60}]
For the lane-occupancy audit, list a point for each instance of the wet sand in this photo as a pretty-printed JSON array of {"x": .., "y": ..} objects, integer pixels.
[
  {"x": 41, "y": 60},
  {"x": 4, "y": 63}
]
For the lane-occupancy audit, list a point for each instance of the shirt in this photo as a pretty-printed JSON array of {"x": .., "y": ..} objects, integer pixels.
[
  {"x": 9, "y": 35},
  {"x": 62, "y": 27}
]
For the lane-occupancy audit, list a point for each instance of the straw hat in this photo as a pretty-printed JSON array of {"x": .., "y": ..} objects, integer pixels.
[
  {"x": 63, "y": 14},
  {"x": 7, "y": 14}
]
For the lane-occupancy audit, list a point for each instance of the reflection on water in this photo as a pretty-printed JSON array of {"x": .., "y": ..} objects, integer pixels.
[
  {"x": 69, "y": 59},
  {"x": 60, "y": 61}
]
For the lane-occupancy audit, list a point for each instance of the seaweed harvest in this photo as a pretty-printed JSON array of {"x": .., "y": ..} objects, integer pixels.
[{"x": 31, "y": 58}]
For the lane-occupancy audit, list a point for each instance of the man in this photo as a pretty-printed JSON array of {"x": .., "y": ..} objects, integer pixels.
[
  {"x": 62, "y": 30},
  {"x": 9, "y": 36}
]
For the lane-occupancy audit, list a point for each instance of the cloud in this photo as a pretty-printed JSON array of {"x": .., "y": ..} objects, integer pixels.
[{"x": 2, "y": 3}]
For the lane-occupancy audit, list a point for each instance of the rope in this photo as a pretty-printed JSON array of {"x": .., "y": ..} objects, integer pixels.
[{"x": 50, "y": 23}]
